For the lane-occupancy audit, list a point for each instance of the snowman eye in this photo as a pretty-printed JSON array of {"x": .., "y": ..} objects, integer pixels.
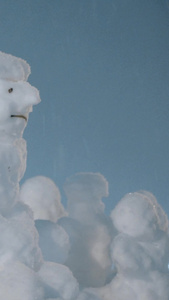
[{"x": 10, "y": 90}]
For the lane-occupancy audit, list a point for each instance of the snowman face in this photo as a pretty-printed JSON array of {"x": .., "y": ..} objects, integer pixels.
[
  {"x": 16, "y": 100},
  {"x": 43, "y": 197},
  {"x": 134, "y": 215}
]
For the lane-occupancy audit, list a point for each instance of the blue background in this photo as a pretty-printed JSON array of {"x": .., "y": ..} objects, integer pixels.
[{"x": 102, "y": 68}]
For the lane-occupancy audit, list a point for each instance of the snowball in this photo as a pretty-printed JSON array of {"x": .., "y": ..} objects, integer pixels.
[
  {"x": 53, "y": 241},
  {"x": 13, "y": 68},
  {"x": 157, "y": 250},
  {"x": 43, "y": 197},
  {"x": 19, "y": 239},
  {"x": 19, "y": 282},
  {"x": 136, "y": 215},
  {"x": 129, "y": 257},
  {"x": 60, "y": 279}
]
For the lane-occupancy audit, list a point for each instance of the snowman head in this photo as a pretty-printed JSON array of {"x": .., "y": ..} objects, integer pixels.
[
  {"x": 138, "y": 214},
  {"x": 42, "y": 195},
  {"x": 16, "y": 95}
]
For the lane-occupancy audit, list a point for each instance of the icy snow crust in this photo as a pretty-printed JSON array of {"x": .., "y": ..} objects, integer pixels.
[{"x": 75, "y": 253}]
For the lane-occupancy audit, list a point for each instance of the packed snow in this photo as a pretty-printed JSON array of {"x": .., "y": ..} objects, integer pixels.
[{"x": 48, "y": 251}]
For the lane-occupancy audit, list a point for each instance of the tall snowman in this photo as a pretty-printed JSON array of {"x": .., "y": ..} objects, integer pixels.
[
  {"x": 20, "y": 256},
  {"x": 23, "y": 272},
  {"x": 16, "y": 99}
]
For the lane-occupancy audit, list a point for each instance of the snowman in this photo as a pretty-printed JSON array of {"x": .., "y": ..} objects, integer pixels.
[
  {"x": 143, "y": 234},
  {"x": 139, "y": 251},
  {"x": 16, "y": 100},
  {"x": 42, "y": 195},
  {"x": 20, "y": 255},
  {"x": 23, "y": 272},
  {"x": 89, "y": 229}
]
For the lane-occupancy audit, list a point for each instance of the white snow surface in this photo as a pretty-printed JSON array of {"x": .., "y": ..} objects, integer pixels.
[
  {"x": 43, "y": 196},
  {"x": 60, "y": 279},
  {"x": 13, "y": 68},
  {"x": 74, "y": 253},
  {"x": 139, "y": 251}
]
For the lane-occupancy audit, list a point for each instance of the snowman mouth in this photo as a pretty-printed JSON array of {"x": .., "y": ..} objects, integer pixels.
[{"x": 19, "y": 116}]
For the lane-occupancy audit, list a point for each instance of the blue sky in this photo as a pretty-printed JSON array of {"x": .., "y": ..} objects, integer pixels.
[{"x": 102, "y": 68}]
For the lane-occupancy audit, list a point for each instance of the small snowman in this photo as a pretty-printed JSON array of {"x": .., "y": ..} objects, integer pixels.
[
  {"x": 42, "y": 195},
  {"x": 139, "y": 251},
  {"x": 143, "y": 230},
  {"x": 89, "y": 229}
]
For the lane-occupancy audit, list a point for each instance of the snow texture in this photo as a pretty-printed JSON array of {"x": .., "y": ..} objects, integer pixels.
[
  {"x": 139, "y": 251},
  {"x": 59, "y": 280},
  {"x": 75, "y": 253},
  {"x": 88, "y": 228},
  {"x": 43, "y": 197},
  {"x": 13, "y": 68}
]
